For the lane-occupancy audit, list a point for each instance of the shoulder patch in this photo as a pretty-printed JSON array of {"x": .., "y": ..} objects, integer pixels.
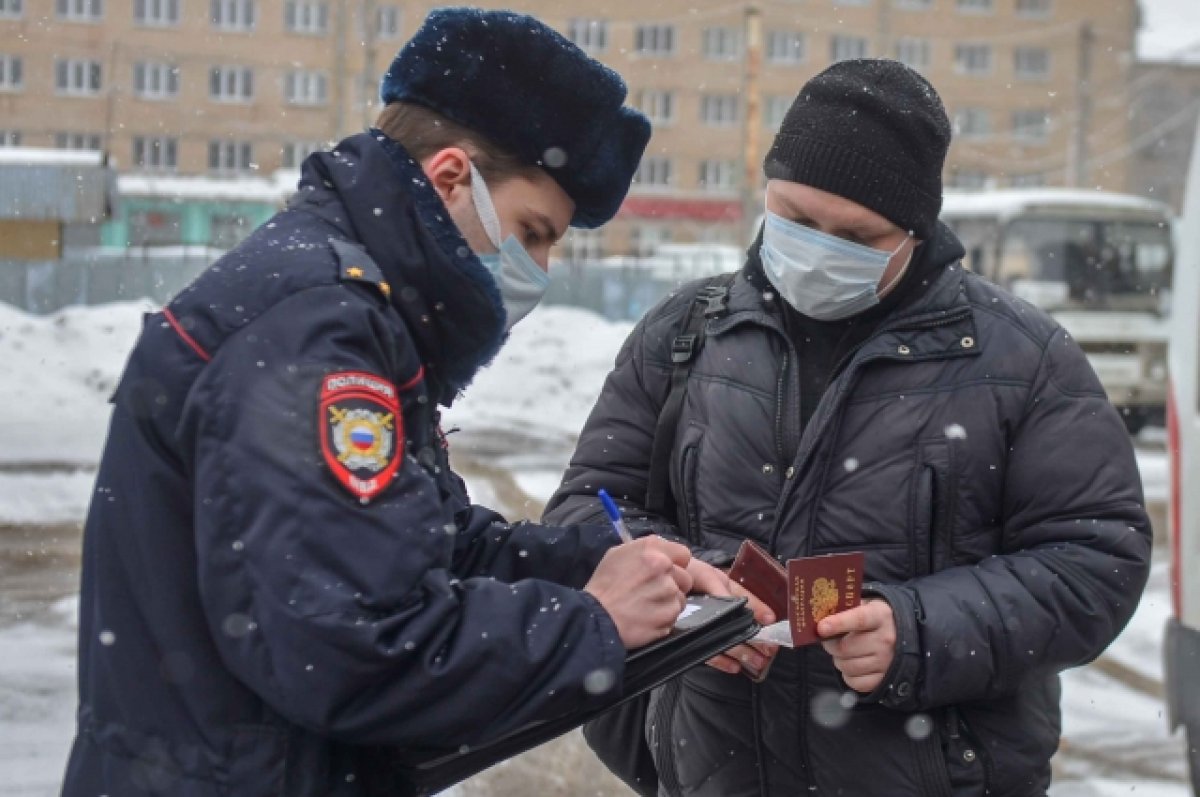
[
  {"x": 355, "y": 265},
  {"x": 362, "y": 431}
]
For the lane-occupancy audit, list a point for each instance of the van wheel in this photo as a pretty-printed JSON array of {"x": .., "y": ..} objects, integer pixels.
[{"x": 1135, "y": 419}]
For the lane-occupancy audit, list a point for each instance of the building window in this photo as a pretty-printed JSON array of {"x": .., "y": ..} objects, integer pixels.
[
  {"x": 12, "y": 9},
  {"x": 89, "y": 141},
  {"x": 1031, "y": 180},
  {"x": 719, "y": 109},
  {"x": 591, "y": 35},
  {"x": 10, "y": 138},
  {"x": 306, "y": 16},
  {"x": 718, "y": 175},
  {"x": 785, "y": 47},
  {"x": 156, "y": 153},
  {"x": 721, "y": 44},
  {"x": 12, "y": 70},
  {"x": 153, "y": 80},
  {"x": 1031, "y": 126},
  {"x": 913, "y": 52},
  {"x": 968, "y": 179},
  {"x": 230, "y": 157},
  {"x": 654, "y": 40},
  {"x": 387, "y": 22},
  {"x": 80, "y": 10},
  {"x": 973, "y": 59},
  {"x": 305, "y": 88},
  {"x": 1032, "y": 63},
  {"x": 913, "y": 5},
  {"x": 583, "y": 245},
  {"x": 658, "y": 105},
  {"x": 973, "y": 122},
  {"x": 295, "y": 152},
  {"x": 233, "y": 15},
  {"x": 156, "y": 13},
  {"x": 231, "y": 84},
  {"x": 77, "y": 77},
  {"x": 976, "y": 6},
  {"x": 847, "y": 48},
  {"x": 655, "y": 171},
  {"x": 1033, "y": 8},
  {"x": 775, "y": 108}
]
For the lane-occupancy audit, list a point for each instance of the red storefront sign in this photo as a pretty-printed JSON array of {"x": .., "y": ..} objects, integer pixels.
[{"x": 673, "y": 209}]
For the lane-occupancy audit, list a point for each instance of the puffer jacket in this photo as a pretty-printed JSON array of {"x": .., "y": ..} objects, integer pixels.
[{"x": 968, "y": 448}]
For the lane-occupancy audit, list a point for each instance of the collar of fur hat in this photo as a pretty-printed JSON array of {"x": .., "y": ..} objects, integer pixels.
[{"x": 372, "y": 189}]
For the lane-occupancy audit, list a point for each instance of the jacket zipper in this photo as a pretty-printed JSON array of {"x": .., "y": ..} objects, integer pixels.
[
  {"x": 780, "y": 397},
  {"x": 688, "y": 490}
]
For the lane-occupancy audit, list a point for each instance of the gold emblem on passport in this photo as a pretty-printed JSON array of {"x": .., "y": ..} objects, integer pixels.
[
  {"x": 824, "y": 599},
  {"x": 821, "y": 586}
]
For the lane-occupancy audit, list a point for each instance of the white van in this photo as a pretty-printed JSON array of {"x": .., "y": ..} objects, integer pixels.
[
  {"x": 1100, "y": 263},
  {"x": 1182, "y": 648}
]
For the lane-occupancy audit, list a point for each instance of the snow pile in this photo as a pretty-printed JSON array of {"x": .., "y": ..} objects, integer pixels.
[
  {"x": 58, "y": 373},
  {"x": 546, "y": 378}
]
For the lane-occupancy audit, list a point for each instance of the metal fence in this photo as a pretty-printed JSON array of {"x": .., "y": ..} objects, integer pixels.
[
  {"x": 618, "y": 292},
  {"x": 100, "y": 276}
]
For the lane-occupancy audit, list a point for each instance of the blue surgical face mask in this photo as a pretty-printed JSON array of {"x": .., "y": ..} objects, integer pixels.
[
  {"x": 522, "y": 282},
  {"x": 822, "y": 276}
]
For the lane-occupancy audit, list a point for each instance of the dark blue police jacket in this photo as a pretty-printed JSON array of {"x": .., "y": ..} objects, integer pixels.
[{"x": 282, "y": 580}]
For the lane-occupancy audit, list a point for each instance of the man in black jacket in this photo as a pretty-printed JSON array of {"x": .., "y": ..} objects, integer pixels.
[
  {"x": 285, "y": 587},
  {"x": 858, "y": 390}
]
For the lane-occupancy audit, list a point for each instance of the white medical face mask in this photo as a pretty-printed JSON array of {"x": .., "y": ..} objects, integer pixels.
[
  {"x": 823, "y": 276},
  {"x": 521, "y": 281}
]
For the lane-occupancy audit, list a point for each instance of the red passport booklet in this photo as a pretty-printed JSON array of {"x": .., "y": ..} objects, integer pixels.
[{"x": 807, "y": 591}]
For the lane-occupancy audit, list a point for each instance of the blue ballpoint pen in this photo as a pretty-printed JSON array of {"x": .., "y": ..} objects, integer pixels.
[{"x": 614, "y": 515}]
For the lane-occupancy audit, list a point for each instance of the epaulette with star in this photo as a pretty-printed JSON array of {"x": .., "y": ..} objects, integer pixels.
[{"x": 355, "y": 265}]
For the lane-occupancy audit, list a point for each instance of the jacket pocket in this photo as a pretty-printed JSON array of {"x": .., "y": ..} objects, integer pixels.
[
  {"x": 932, "y": 505},
  {"x": 683, "y": 483}
]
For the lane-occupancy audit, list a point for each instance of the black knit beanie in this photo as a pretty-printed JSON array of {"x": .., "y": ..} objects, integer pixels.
[{"x": 873, "y": 131}]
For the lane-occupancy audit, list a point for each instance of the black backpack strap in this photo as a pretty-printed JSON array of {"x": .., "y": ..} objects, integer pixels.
[{"x": 708, "y": 303}]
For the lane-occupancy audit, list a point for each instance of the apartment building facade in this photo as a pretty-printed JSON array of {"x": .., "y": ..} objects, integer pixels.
[{"x": 1038, "y": 89}]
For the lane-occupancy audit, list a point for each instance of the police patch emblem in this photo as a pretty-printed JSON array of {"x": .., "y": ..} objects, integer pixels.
[{"x": 362, "y": 431}]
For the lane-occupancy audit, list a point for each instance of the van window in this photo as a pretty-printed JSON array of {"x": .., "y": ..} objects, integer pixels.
[{"x": 1094, "y": 263}]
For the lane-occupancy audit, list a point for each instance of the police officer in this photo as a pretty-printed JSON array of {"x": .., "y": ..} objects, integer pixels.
[{"x": 280, "y": 569}]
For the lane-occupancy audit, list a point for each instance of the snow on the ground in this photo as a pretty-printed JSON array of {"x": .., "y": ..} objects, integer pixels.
[
  {"x": 37, "y": 702},
  {"x": 1155, "y": 469},
  {"x": 539, "y": 484},
  {"x": 59, "y": 371},
  {"x": 45, "y": 497},
  {"x": 546, "y": 378}
]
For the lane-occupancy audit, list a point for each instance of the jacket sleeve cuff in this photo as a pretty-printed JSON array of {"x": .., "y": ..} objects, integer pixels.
[
  {"x": 900, "y": 685},
  {"x": 612, "y": 655}
]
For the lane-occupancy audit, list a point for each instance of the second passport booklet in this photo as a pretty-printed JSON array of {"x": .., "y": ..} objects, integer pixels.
[{"x": 805, "y": 592}]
